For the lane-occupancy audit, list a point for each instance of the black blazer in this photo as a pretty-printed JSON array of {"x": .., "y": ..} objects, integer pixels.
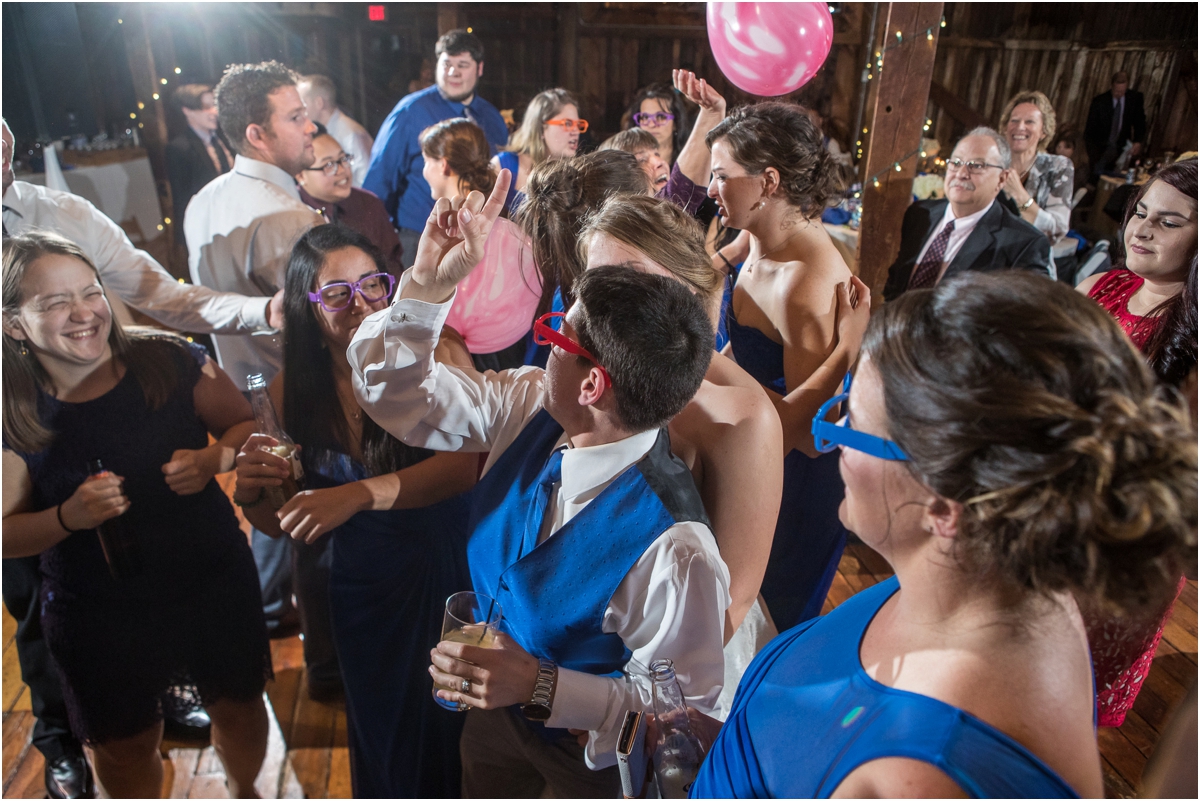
[
  {"x": 999, "y": 241},
  {"x": 1100, "y": 120},
  {"x": 189, "y": 168}
]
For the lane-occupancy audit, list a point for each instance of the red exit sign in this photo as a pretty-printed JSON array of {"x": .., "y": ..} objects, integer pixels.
[{"x": 377, "y": 13}]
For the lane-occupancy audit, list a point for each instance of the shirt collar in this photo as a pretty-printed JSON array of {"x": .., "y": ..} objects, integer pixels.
[
  {"x": 584, "y": 469},
  {"x": 334, "y": 117},
  {"x": 253, "y": 168},
  {"x": 969, "y": 220},
  {"x": 205, "y": 136}
]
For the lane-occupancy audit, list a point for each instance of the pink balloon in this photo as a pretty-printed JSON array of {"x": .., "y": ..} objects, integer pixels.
[{"x": 769, "y": 49}]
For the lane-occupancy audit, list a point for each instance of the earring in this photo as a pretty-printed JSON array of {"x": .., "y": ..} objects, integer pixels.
[{"x": 24, "y": 351}]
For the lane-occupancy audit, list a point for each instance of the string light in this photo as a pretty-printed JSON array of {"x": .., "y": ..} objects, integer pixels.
[
  {"x": 163, "y": 81},
  {"x": 155, "y": 96},
  {"x": 177, "y": 70}
]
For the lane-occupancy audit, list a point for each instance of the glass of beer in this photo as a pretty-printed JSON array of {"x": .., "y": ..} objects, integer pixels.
[{"x": 470, "y": 618}]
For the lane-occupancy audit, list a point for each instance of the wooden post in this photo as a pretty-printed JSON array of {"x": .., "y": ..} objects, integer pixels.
[
  {"x": 894, "y": 122},
  {"x": 568, "y": 46},
  {"x": 448, "y": 18}
]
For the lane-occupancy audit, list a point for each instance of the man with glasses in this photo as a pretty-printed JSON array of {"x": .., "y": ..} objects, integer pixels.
[
  {"x": 327, "y": 187},
  {"x": 585, "y": 529},
  {"x": 320, "y": 97},
  {"x": 967, "y": 230},
  {"x": 394, "y": 173}
]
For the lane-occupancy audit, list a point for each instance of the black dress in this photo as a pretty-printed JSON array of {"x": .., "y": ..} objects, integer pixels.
[{"x": 194, "y": 612}]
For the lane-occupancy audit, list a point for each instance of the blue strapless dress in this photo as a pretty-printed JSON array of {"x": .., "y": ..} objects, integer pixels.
[
  {"x": 809, "y": 537},
  {"x": 390, "y": 575},
  {"x": 807, "y": 714}
]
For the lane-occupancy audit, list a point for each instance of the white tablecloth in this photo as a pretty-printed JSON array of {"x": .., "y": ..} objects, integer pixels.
[{"x": 125, "y": 191}]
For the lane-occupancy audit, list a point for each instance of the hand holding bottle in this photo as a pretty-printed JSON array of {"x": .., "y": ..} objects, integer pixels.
[
  {"x": 97, "y": 499},
  {"x": 258, "y": 467}
]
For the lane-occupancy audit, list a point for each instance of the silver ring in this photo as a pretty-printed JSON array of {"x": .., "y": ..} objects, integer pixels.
[
  {"x": 465, "y": 687},
  {"x": 463, "y": 706}
]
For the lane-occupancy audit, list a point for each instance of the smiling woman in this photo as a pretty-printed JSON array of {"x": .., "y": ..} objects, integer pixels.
[
  {"x": 77, "y": 388},
  {"x": 389, "y": 515}
]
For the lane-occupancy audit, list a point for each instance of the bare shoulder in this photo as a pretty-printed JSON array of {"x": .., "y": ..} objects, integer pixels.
[
  {"x": 1085, "y": 286},
  {"x": 898, "y": 777}
]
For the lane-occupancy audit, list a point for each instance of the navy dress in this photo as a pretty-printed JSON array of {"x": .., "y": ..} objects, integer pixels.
[
  {"x": 807, "y": 714},
  {"x": 809, "y": 537},
  {"x": 194, "y": 614},
  {"x": 390, "y": 575}
]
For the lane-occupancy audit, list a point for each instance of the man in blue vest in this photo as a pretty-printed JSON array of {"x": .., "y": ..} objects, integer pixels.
[
  {"x": 587, "y": 531},
  {"x": 395, "y": 170}
]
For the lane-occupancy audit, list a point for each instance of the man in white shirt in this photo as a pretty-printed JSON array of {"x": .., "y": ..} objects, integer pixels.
[
  {"x": 320, "y": 96},
  {"x": 240, "y": 230},
  {"x": 131, "y": 274},
  {"x": 242, "y": 225},
  {"x": 586, "y": 530},
  {"x": 967, "y": 230}
]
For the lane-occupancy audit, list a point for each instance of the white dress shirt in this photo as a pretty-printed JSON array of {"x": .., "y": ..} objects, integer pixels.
[
  {"x": 240, "y": 230},
  {"x": 131, "y": 274},
  {"x": 670, "y": 604},
  {"x": 355, "y": 140},
  {"x": 963, "y": 226}
]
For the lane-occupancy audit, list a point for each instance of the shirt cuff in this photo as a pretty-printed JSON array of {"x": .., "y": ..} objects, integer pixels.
[
  {"x": 405, "y": 311},
  {"x": 254, "y": 314},
  {"x": 580, "y": 701}
]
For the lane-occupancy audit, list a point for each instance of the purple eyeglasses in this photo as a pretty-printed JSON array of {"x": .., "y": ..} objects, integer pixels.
[
  {"x": 655, "y": 119},
  {"x": 340, "y": 294}
]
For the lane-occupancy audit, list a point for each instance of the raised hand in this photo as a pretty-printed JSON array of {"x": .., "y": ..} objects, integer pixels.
[
  {"x": 453, "y": 242},
  {"x": 699, "y": 91}
]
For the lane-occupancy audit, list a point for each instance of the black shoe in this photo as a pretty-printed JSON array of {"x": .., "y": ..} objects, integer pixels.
[
  {"x": 69, "y": 777},
  {"x": 184, "y": 718}
]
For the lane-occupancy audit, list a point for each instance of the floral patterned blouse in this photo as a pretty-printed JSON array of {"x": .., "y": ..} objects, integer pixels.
[{"x": 1051, "y": 183}]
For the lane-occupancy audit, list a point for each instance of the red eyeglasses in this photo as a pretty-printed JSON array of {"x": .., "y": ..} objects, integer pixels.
[{"x": 543, "y": 334}]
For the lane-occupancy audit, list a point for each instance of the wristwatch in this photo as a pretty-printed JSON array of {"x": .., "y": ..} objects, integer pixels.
[
  {"x": 538, "y": 707},
  {"x": 1027, "y": 203}
]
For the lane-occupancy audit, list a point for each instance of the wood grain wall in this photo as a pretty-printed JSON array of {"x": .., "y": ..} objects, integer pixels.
[{"x": 1063, "y": 55}]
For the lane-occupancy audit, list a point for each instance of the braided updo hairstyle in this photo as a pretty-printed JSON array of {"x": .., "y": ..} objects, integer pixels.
[
  {"x": 783, "y": 136},
  {"x": 465, "y": 148},
  {"x": 558, "y": 195},
  {"x": 1026, "y": 403}
]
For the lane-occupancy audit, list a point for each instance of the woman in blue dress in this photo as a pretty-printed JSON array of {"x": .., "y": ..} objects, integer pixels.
[
  {"x": 772, "y": 178},
  {"x": 394, "y": 515},
  {"x": 549, "y": 130},
  {"x": 1007, "y": 451}
]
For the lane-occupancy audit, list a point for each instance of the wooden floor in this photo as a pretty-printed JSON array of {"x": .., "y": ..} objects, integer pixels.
[{"x": 307, "y": 755}]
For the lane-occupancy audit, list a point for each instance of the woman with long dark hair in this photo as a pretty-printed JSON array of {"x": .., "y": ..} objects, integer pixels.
[
  {"x": 183, "y": 604},
  {"x": 394, "y": 514},
  {"x": 1151, "y": 292},
  {"x": 659, "y": 109},
  {"x": 1009, "y": 454}
]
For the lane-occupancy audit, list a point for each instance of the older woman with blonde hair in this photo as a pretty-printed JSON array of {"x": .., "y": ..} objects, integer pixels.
[
  {"x": 549, "y": 130},
  {"x": 1040, "y": 184}
]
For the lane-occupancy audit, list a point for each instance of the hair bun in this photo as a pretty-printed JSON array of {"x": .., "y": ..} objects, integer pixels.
[{"x": 556, "y": 185}]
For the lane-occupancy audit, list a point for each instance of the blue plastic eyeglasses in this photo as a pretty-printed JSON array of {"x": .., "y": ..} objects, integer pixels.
[{"x": 827, "y": 436}]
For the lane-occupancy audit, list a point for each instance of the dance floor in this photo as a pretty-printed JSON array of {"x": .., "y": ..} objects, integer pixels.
[{"x": 307, "y": 754}]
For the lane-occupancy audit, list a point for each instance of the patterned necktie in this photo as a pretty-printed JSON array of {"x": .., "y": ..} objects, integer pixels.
[
  {"x": 221, "y": 159},
  {"x": 927, "y": 271},
  {"x": 551, "y": 474}
]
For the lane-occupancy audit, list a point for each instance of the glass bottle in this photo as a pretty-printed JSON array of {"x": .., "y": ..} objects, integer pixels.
[
  {"x": 677, "y": 754},
  {"x": 268, "y": 423},
  {"x": 118, "y": 539}
]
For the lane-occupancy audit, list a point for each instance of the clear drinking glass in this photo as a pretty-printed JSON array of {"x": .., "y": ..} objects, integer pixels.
[{"x": 470, "y": 618}]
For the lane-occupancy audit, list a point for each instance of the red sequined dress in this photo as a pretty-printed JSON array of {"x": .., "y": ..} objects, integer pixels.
[{"x": 1123, "y": 649}]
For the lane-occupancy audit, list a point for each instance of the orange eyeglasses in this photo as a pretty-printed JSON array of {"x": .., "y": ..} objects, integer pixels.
[
  {"x": 543, "y": 334},
  {"x": 570, "y": 125}
]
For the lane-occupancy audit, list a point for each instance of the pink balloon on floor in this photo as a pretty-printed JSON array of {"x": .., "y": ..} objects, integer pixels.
[{"x": 769, "y": 49}]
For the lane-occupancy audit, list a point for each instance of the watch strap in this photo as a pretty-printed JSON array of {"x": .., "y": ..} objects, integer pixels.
[{"x": 543, "y": 687}]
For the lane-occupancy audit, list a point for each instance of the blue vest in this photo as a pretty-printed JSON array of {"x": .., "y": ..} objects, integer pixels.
[
  {"x": 806, "y": 715},
  {"x": 554, "y": 595}
]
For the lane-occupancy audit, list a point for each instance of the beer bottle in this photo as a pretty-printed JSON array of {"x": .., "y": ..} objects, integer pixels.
[
  {"x": 118, "y": 539},
  {"x": 677, "y": 754},
  {"x": 268, "y": 423}
]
